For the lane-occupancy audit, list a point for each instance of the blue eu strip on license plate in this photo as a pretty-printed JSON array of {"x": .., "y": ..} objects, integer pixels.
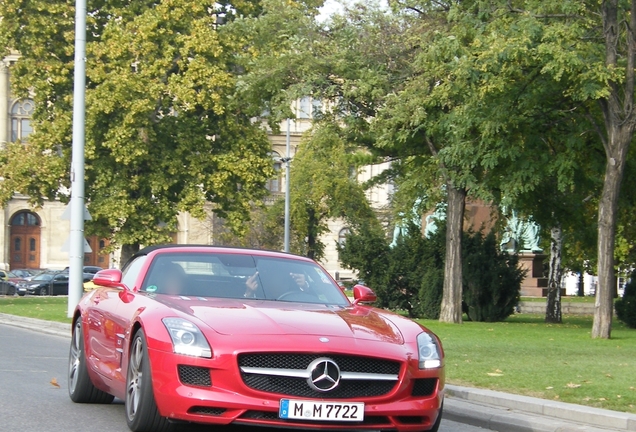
[{"x": 321, "y": 410}]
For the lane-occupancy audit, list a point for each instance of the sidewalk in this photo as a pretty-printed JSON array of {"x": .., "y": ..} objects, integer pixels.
[
  {"x": 507, "y": 412},
  {"x": 42, "y": 326},
  {"x": 489, "y": 409}
]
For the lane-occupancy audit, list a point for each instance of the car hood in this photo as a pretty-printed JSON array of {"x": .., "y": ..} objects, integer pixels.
[{"x": 237, "y": 317}]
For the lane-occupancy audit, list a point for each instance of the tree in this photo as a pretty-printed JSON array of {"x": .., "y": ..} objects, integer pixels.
[
  {"x": 589, "y": 52},
  {"x": 165, "y": 132},
  {"x": 324, "y": 186}
]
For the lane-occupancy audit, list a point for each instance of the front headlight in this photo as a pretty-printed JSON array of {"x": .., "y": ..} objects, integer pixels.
[
  {"x": 187, "y": 339},
  {"x": 429, "y": 353}
]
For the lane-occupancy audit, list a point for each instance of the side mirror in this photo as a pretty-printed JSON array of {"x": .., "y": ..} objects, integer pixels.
[
  {"x": 363, "y": 294},
  {"x": 108, "y": 278}
]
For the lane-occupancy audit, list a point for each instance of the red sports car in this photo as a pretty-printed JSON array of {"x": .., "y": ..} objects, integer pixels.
[{"x": 223, "y": 336}]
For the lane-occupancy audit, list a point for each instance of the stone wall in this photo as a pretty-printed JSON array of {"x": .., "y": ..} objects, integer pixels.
[{"x": 567, "y": 308}]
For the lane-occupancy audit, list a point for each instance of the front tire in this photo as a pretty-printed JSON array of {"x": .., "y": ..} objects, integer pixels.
[
  {"x": 43, "y": 291},
  {"x": 80, "y": 387},
  {"x": 141, "y": 409}
]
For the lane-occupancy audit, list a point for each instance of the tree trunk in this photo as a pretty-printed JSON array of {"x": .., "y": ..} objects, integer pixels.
[
  {"x": 607, "y": 214},
  {"x": 553, "y": 309},
  {"x": 451, "y": 310},
  {"x": 311, "y": 233},
  {"x": 127, "y": 251},
  {"x": 620, "y": 120},
  {"x": 581, "y": 292}
]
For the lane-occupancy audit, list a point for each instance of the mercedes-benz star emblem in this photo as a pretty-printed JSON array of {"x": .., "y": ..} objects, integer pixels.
[{"x": 325, "y": 374}]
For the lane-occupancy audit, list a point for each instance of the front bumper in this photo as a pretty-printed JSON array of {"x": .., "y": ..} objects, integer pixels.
[{"x": 228, "y": 400}]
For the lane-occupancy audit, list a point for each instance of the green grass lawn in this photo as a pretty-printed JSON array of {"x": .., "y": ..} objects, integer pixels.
[
  {"x": 522, "y": 355},
  {"x": 565, "y": 299},
  {"x": 47, "y": 308},
  {"x": 526, "y": 356}
]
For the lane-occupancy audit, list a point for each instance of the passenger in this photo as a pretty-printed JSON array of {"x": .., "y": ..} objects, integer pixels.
[{"x": 173, "y": 279}]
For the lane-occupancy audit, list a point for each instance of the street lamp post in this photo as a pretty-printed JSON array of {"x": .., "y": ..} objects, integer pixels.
[
  {"x": 76, "y": 252},
  {"x": 287, "y": 183}
]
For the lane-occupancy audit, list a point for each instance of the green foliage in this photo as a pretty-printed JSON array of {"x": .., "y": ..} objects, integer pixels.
[
  {"x": 324, "y": 186},
  {"x": 366, "y": 250},
  {"x": 492, "y": 278},
  {"x": 410, "y": 275},
  {"x": 165, "y": 132},
  {"x": 626, "y": 306}
]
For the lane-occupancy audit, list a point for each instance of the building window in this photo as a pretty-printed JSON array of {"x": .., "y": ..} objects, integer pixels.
[
  {"x": 309, "y": 108},
  {"x": 274, "y": 184},
  {"x": 25, "y": 218},
  {"x": 342, "y": 236},
  {"x": 21, "y": 113}
]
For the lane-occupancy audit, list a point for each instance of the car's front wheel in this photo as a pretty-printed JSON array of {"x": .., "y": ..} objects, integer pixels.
[
  {"x": 80, "y": 387},
  {"x": 43, "y": 291},
  {"x": 141, "y": 409}
]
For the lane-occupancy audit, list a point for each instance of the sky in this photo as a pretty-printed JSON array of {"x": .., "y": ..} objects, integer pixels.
[{"x": 330, "y": 7}]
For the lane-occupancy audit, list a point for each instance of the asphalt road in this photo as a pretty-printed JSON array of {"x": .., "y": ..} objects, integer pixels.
[{"x": 29, "y": 402}]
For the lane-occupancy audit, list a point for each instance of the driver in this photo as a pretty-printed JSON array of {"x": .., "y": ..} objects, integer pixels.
[{"x": 252, "y": 283}]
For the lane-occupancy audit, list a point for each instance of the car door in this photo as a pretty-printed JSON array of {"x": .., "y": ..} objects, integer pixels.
[
  {"x": 3, "y": 283},
  {"x": 59, "y": 285},
  {"x": 103, "y": 336},
  {"x": 109, "y": 323}
]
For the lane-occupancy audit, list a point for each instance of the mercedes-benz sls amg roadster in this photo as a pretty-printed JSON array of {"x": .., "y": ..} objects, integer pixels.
[{"x": 220, "y": 336}]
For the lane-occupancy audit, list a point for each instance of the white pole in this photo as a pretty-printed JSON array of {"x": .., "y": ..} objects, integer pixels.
[
  {"x": 287, "y": 182},
  {"x": 76, "y": 254}
]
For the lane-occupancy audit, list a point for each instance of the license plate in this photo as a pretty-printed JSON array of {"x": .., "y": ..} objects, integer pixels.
[{"x": 321, "y": 410}]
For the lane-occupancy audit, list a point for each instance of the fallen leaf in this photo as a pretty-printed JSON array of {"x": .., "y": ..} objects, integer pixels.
[
  {"x": 556, "y": 397},
  {"x": 572, "y": 385},
  {"x": 493, "y": 374},
  {"x": 619, "y": 396},
  {"x": 54, "y": 383},
  {"x": 549, "y": 388},
  {"x": 602, "y": 399}
]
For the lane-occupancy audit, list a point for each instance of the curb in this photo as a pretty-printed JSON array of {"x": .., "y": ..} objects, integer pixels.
[
  {"x": 514, "y": 413},
  {"x": 42, "y": 326}
]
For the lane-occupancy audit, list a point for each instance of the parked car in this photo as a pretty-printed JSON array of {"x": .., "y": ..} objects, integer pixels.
[
  {"x": 9, "y": 282},
  {"x": 47, "y": 283},
  {"x": 221, "y": 336},
  {"x": 88, "y": 272},
  {"x": 26, "y": 274}
]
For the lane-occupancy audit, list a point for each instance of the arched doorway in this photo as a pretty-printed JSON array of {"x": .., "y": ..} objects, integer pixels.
[
  {"x": 25, "y": 240},
  {"x": 98, "y": 257}
]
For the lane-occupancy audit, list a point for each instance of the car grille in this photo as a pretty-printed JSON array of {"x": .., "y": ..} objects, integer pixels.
[
  {"x": 194, "y": 376},
  {"x": 210, "y": 411},
  {"x": 301, "y": 361},
  {"x": 371, "y": 386},
  {"x": 424, "y": 386}
]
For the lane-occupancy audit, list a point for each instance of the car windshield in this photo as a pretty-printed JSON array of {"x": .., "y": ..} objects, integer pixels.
[
  {"x": 43, "y": 277},
  {"x": 241, "y": 276},
  {"x": 12, "y": 275}
]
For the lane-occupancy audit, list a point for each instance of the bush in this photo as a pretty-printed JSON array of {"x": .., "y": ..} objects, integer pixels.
[
  {"x": 626, "y": 306},
  {"x": 491, "y": 279},
  {"x": 431, "y": 292},
  {"x": 410, "y": 275}
]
